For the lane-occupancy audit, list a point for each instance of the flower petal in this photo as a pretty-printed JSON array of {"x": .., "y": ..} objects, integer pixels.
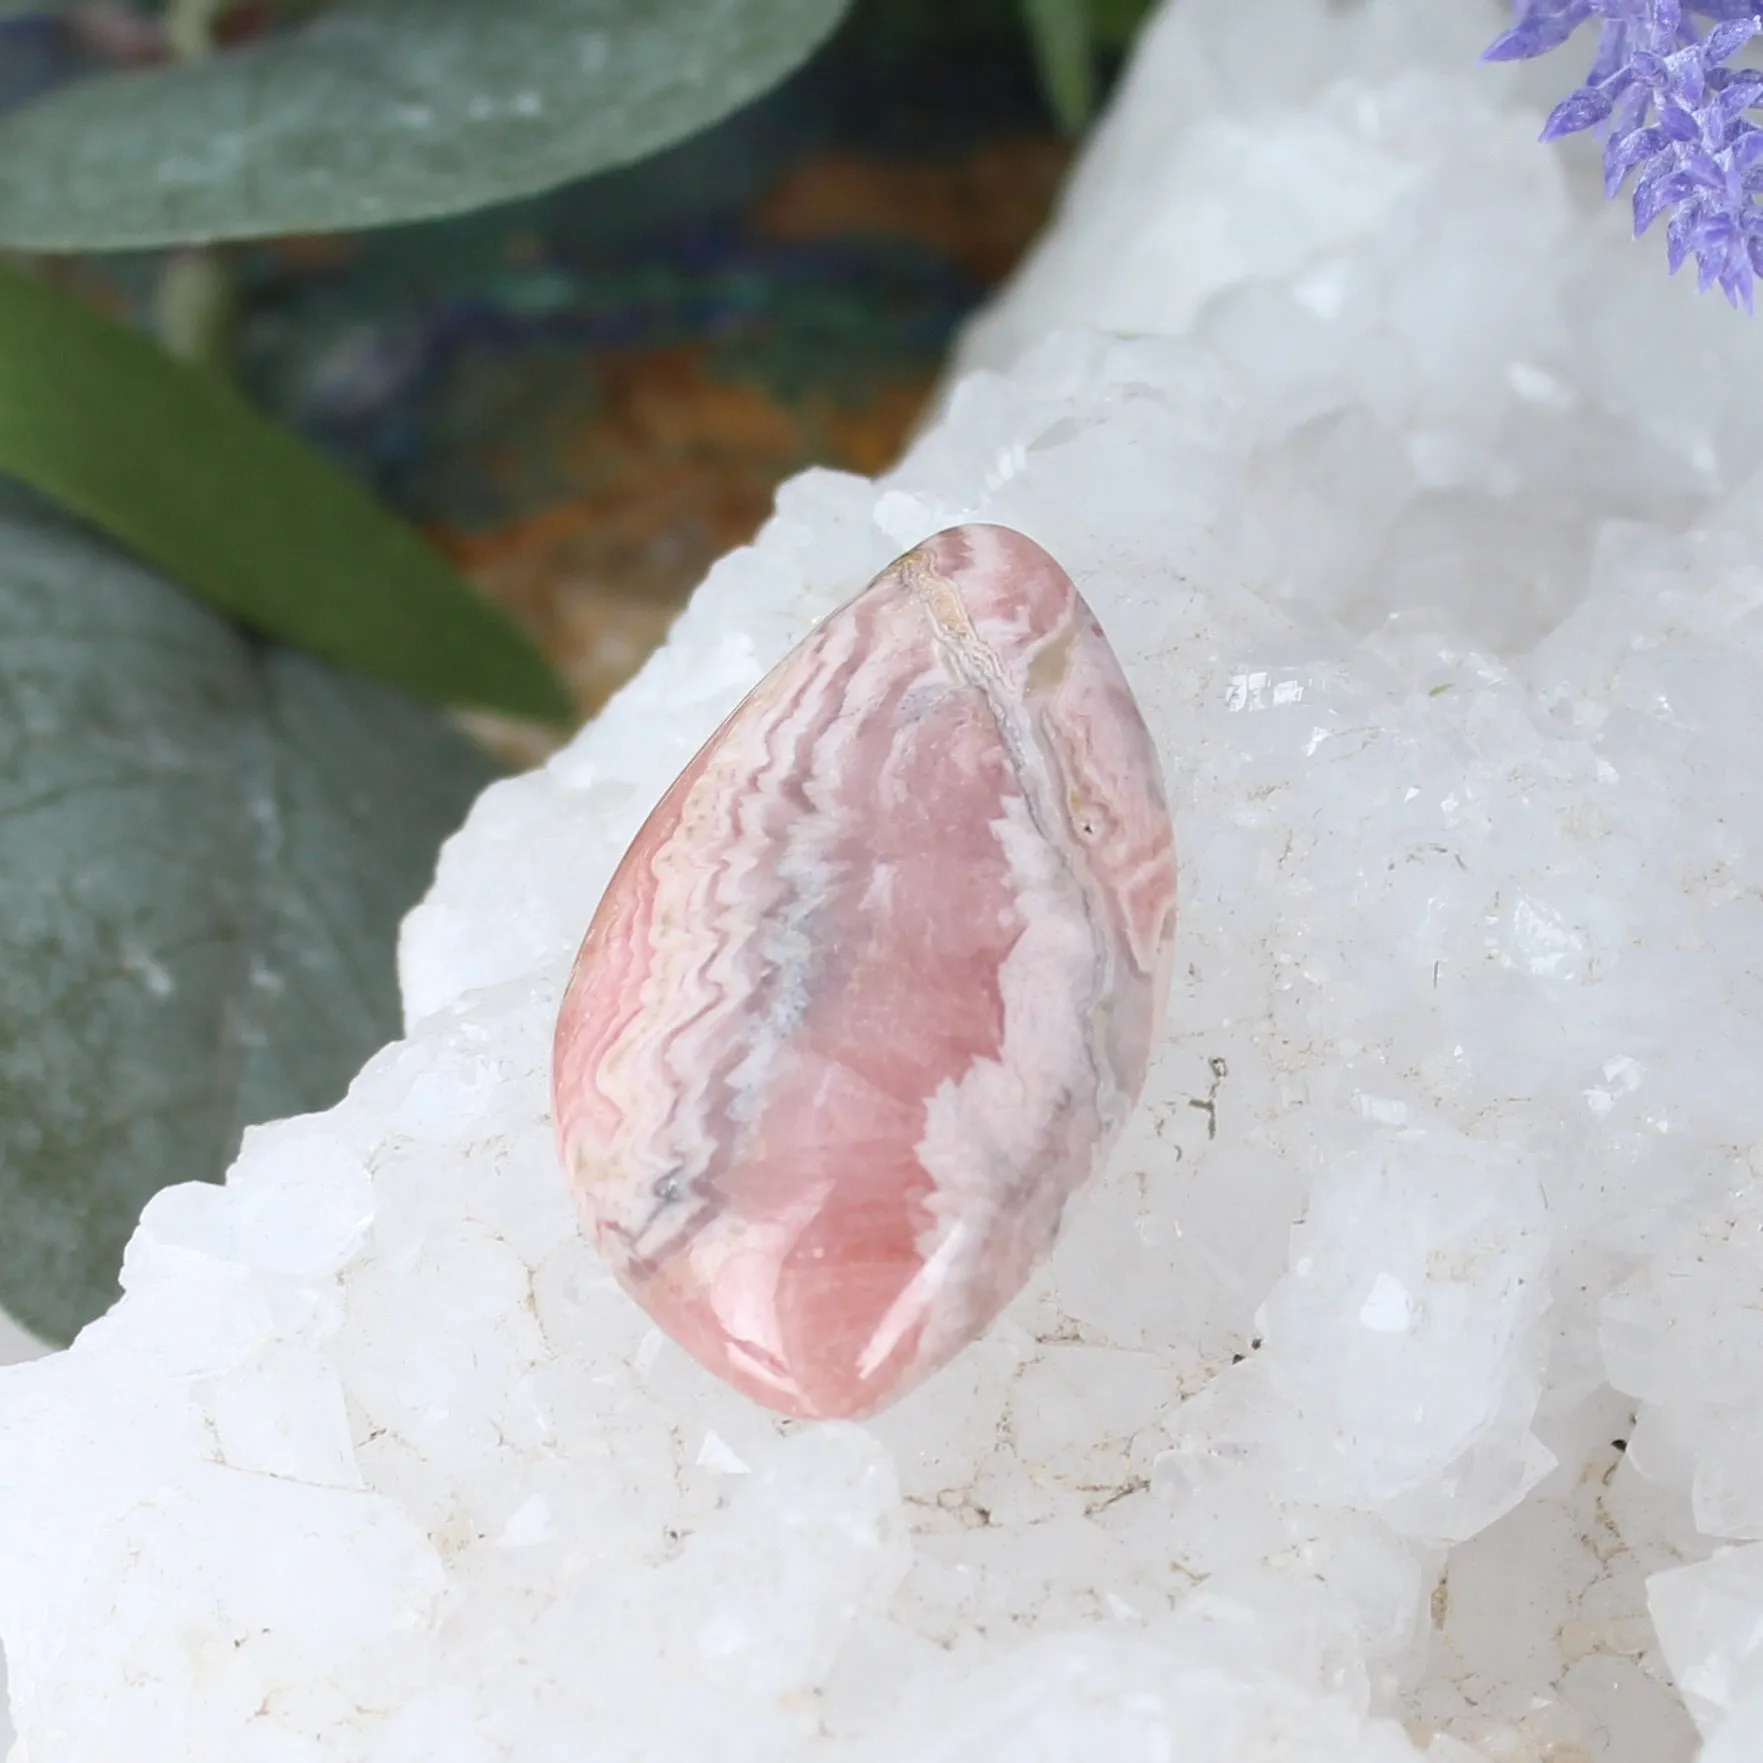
[
  {"x": 1726, "y": 40},
  {"x": 1541, "y": 29},
  {"x": 1678, "y": 123},
  {"x": 1653, "y": 195},
  {"x": 1578, "y": 110}
]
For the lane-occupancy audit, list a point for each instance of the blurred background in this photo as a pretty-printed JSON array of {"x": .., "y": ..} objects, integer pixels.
[
  {"x": 310, "y": 526},
  {"x": 586, "y": 397}
]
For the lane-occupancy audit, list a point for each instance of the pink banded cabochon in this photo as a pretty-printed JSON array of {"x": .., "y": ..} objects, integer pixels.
[{"x": 875, "y": 988}]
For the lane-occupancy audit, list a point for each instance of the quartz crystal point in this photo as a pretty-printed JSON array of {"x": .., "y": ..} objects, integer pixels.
[{"x": 875, "y": 987}]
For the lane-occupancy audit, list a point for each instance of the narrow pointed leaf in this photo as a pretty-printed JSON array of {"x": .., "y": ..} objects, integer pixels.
[
  {"x": 1115, "y": 21},
  {"x": 177, "y": 465},
  {"x": 386, "y": 110},
  {"x": 1064, "y": 51}
]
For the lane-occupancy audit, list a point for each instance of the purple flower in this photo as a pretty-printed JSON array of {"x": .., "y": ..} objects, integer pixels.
[{"x": 1673, "y": 114}]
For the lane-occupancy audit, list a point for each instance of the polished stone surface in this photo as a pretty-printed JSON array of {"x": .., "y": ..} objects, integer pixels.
[{"x": 875, "y": 988}]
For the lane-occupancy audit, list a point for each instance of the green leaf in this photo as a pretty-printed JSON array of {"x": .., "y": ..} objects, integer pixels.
[
  {"x": 172, "y": 461},
  {"x": 1064, "y": 51},
  {"x": 205, "y": 848},
  {"x": 386, "y": 110},
  {"x": 1115, "y": 21}
]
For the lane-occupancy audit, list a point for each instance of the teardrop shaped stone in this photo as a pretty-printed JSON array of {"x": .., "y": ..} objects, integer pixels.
[{"x": 875, "y": 988}]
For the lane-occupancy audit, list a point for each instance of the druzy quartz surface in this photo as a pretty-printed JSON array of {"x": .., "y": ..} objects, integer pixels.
[{"x": 875, "y": 987}]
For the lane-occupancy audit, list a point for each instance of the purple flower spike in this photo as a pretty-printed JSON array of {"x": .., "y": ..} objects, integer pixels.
[
  {"x": 1541, "y": 27},
  {"x": 1673, "y": 113}
]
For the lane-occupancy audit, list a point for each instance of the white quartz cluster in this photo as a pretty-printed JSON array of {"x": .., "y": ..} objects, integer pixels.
[{"x": 1399, "y": 1392}]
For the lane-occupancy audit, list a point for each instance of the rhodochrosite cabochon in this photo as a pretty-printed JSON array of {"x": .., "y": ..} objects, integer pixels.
[{"x": 875, "y": 987}]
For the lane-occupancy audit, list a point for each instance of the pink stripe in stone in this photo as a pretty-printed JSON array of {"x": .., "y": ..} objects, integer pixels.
[{"x": 875, "y": 987}]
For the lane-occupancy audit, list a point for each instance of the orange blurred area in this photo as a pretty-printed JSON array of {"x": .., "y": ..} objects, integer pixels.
[
  {"x": 677, "y": 467},
  {"x": 673, "y": 455},
  {"x": 980, "y": 210}
]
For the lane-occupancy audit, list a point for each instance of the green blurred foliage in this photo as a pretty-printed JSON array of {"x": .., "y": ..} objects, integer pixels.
[
  {"x": 206, "y": 846},
  {"x": 172, "y": 461},
  {"x": 377, "y": 111}
]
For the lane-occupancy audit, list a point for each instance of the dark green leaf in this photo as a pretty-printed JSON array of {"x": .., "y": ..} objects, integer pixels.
[
  {"x": 172, "y": 461},
  {"x": 205, "y": 849},
  {"x": 1115, "y": 21},
  {"x": 1065, "y": 53},
  {"x": 386, "y": 110}
]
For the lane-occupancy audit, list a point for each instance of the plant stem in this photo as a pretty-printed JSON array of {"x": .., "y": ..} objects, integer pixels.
[
  {"x": 193, "y": 302},
  {"x": 193, "y": 305},
  {"x": 189, "y": 27}
]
